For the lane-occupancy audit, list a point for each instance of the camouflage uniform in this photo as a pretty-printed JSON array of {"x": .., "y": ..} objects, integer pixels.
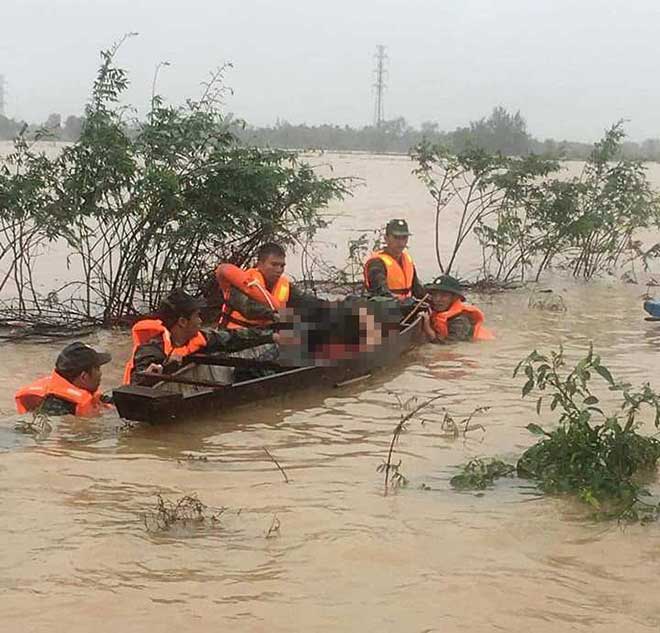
[
  {"x": 226, "y": 341},
  {"x": 460, "y": 328},
  {"x": 256, "y": 311}
]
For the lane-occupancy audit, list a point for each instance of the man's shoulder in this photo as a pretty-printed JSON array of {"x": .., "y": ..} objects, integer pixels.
[
  {"x": 375, "y": 261},
  {"x": 54, "y": 405},
  {"x": 155, "y": 343}
]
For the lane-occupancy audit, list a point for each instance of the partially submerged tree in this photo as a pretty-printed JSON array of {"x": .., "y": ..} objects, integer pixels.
[
  {"x": 483, "y": 186},
  {"x": 528, "y": 217},
  {"x": 145, "y": 206}
]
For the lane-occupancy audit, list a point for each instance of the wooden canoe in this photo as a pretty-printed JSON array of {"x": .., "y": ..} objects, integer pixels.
[{"x": 210, "y": 388}]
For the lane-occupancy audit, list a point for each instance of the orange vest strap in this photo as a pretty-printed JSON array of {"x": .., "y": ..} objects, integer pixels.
[
  {"x": 400, "y": 275},
  {"x": 147, "y": 329},
  {"x": 277, "y": 298},
  {"x": 194, "y": 345},
  {"x": 142, "y": 332},
  {"x": 251, "y": 283}
]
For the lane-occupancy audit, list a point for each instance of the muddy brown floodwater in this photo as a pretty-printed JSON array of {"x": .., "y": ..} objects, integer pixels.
[{"x": 76, "y": 556}]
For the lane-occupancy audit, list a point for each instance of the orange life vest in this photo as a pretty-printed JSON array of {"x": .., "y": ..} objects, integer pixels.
[
  {"x": 439, "y": 320},
  {"x": 277, "y": 298},
  {"x": 30, "y": 398},
  {"x": 143, "y": 331},
  {"x": 399, "y": 275}
]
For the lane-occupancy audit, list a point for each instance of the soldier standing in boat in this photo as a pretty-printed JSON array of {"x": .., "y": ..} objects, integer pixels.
[{"x": 391, "y": 271}]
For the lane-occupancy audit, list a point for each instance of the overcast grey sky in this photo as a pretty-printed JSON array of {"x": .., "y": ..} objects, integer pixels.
[{"x": 571, "y": 66}]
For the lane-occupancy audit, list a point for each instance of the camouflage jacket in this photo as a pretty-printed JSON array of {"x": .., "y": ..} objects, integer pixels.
[
  {"x": 226, "y": 341},
  {"x": 254, "y": 310}
]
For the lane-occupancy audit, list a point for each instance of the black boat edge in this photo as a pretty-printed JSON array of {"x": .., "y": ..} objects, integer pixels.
[{"x": 154, "y": 404}]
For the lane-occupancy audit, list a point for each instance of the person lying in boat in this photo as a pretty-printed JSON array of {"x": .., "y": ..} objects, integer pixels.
[
  {"x": 391, "y": 271},
  {"x": 175, "y": 333},
  {"x": 268, "y": 291},
  {"x": 451, "y": 319},
  {"x": 72, "y": 388}
]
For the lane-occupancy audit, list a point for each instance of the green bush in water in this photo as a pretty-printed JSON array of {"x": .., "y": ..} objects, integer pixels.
[{"x": 601, "y": 458}]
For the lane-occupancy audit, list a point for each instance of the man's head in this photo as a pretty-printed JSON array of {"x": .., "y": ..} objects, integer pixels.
[
  {"x": 396, "y": 237},
  {"x": 180, "y": 314},
  {"x": 271, "y": 260},
  {"x": 81, "y": 364},
  {"x": 443, "y": 292}
]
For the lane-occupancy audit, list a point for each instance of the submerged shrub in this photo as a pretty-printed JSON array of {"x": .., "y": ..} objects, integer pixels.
[
  {"x": 478, "y": 474},
  {"x": 188, "y": 511},
  {"x": 148, "y": 205},
  {"x": 600, "y": 457}
]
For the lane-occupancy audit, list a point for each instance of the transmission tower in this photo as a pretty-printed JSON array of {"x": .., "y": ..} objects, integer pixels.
[
  {"x": 380, "y": 74},
  {"x": 2, "y": 95}
]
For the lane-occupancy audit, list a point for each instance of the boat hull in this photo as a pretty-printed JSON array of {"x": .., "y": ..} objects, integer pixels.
[
  {"x": 652, "y": 306},
  {"x": 158, "y": 404}
]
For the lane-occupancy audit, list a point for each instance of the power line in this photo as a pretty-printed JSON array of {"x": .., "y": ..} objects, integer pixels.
[{"x": 381, "y": 73}]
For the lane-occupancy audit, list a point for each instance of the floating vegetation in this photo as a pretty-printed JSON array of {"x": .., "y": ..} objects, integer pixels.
[
  {"x": 279, "y": 467},
  {"x": 274, "y": 529},
  {"x": 409, "y": 409},
  {"x": 452, "y": 428},
  {"x": 188, "y": 511},
  {"x": 125, "y": 426},
  {"x": 190, "y": 457},
  {"x": 449, "y": 426},
  {"x": 479, "y": 474}
]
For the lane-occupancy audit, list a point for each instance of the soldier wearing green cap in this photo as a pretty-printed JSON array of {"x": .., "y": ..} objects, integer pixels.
[
  {"x": 72, "y": 387},
  {"x": 391, "y": 271},
  {"x": 451, "y": 318}
]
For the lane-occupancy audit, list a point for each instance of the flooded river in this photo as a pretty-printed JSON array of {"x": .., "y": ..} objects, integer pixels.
[{"x": 77, "y": 556}]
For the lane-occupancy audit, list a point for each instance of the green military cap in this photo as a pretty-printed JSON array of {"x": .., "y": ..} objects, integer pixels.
[
  {"x": 446, "y": 283},
  {"x": 397, "y": 227}
]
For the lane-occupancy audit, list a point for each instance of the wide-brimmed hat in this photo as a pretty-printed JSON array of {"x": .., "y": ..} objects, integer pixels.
[
  {"x": 397, "y": 228},
  {"x": 446, "y": 283},
  {"x": 78, "y": 357}
]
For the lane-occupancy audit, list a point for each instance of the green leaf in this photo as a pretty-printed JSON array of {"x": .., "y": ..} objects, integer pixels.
[
  {"x": 605, "y": 373},
  {"x": 535, "y": 428},
  {"x": 590, "y": 400},
  {"x": 527, "y": 387},
  {"x": 539, "y": 402}
]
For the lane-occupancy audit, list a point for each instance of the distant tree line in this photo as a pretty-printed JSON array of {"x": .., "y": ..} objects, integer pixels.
[
  {"x": 51, "y": 128},
  {"x": 501, "y": 131}
]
